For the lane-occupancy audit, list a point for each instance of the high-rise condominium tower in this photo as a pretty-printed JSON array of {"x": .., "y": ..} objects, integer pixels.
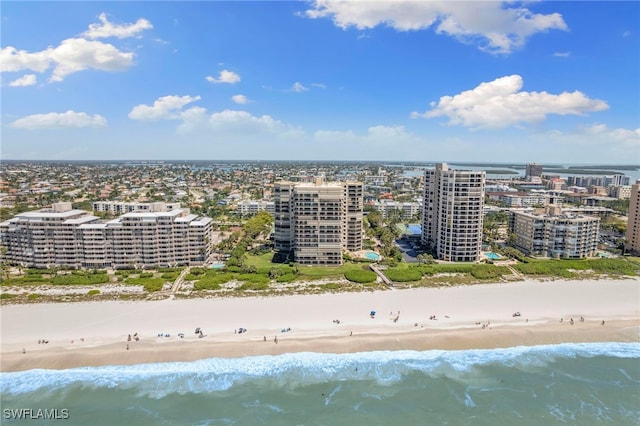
[
  {"x": 453, "y": 212},
  {"x": 317, "y": 221},
  {"x": 633, "y": 223}
]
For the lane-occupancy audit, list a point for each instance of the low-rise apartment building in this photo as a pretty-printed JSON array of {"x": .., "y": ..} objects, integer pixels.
[
  {"x": 252, "y": 207},
  {"x": 118, "y": 208},
  {"x": 407, "y": 210}
]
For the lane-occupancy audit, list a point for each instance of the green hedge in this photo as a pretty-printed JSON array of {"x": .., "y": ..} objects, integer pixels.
[
  {"x": 286, "y": 278},
  {"x": 360, "y": 276},
  {"x": 403, "y": 274},
  {"x": 80, "y": 279},
  {"x": 93, "y": 292},
  {"x": 170, "y": 275},
  {"x": 254, "y": 278},
  {"x": 206, "y": 285},
  {"x": 216, "y": 279},
  {"x": 488, "y": 272},
  {"x": 197, "y": 271},
  {"x": 254, "y": 286},
  {"x": 149, "y": 284}
]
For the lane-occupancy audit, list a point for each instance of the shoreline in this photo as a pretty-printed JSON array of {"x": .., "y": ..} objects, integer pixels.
[{"x": 467, "y": 317}]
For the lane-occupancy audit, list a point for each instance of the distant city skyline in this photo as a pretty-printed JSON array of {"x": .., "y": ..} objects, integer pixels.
[{"x": 430, "y": 81}]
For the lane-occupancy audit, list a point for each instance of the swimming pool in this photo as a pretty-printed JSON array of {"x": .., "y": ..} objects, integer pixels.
[
  {"x": 371, "y": 255},
  {"x": 493, "y": 256},
  {"x": 217, "y": 266}
]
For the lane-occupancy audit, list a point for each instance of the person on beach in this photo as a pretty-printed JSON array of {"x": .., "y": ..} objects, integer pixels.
[
  {"x": 127, "y": 346},
  {"x": 264, "y": 339},
  {"x": 275, "y": 340}
]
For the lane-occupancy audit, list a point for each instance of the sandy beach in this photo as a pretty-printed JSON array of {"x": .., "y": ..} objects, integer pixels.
[{"x": 466, "y": 317}]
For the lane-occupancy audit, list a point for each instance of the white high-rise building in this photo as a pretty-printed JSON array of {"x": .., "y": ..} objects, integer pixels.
[
  {"x": 318, "y": 221},
  {"x": 453, "y": 213}
]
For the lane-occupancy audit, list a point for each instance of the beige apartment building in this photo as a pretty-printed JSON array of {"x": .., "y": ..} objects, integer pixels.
[
  {"x": 316, "y": 222},
  {"x": 633, "y": 222},
  {"x": 118, "y": 207},
  {"x": 555, "y": 234},
  {"x": 61, "y": 236},
  {"x": 453, "y": 213}
]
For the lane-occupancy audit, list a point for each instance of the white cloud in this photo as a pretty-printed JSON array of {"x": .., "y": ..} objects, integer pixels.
[
  {"x": 500, "y": 103},
  {"x": 242, "y": 122},
  {"x": 55, "y": 120},
  {"x": 164, "y": 108},
  {"x": 25, "y": 80},
  {"x": 497, "y": 27},
  {"x": 628, "y": 136},
  {"x": 562, "y": 54},
  {"x": 77, "y": 54},
  {"x": 72, "y": 55},
  {"x": 319, "y": 85},
  {"x": 240, "y": 99},
  {"x": 298, "y": 87},
  {"x": 225, "y": 76},
  {"x": 376, "y": 136},
  {"x": 107, "y": 29},
  {"x": 12, "y": 59}
]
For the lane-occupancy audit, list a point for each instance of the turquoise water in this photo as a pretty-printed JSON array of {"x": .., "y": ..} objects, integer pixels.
[
  {"x": 493, "y": 256},
  {"x": 217, "y": 266},
  {"x": 585, "y": 384},
  {"x": 372, "y": 256}
]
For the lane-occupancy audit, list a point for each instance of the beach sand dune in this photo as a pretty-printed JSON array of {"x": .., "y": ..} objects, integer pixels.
[{"x": 479, "y": 316}]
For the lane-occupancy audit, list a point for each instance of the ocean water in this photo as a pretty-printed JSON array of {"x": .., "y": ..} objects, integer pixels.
[{"x": 576, "y": 384}]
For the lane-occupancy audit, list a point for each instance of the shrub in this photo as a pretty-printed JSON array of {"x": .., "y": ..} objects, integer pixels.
[
  {"x": 254, "y": 286},
  {"x": 5, "y": 296},
  {"x": 170, "y": 275},
  {"x": 286, "y": 278},
  {"x": 487, "y": 272},
  {"x": 206, "y": 285},
  {"x": 149, "y": 284},
  {"x": 170, "y": 270},
  {"x": 80, "y": 279},
  {"x": 359, "y": 276},
  {"x": 403, "y": 274},
  {"x": 93, "y": 292},
  {"x": 197, "y": 271},
  {"x": 33, "y": 296},
  {"x": 332, "y": 286},
  {"x": 217, "y": 279},
  {"x": 254, "y": 278},
  {"x": 146, "y": 275},
  {"x": 153, "y": 284}
]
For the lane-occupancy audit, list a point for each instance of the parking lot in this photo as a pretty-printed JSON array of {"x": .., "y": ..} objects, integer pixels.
[{"x": 408, "y": 247}]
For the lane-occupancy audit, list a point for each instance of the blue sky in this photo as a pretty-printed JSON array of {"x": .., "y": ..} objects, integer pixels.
[{"x": 551, "y": 82}]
